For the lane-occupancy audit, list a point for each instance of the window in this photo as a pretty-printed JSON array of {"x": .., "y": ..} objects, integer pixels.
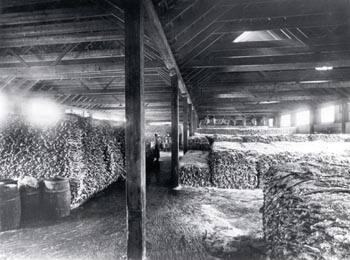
[
  {"x": 286, "y": 120},
  {"x": 328, "y": 114},
  {"x": 303, "y": 118},
  {"x": 271, "y": 122}
]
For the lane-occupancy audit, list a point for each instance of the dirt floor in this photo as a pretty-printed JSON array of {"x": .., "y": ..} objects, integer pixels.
[{"x": 192, "y": 223}]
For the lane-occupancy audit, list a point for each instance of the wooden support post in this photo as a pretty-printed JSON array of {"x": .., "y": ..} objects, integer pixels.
[
  {"x": 190, "y": 113},
  {"x": 196, "y": 122},
  {"x": 134, "y": 131},
  {"x": 293, "y": 119},
  {"x": 345, "y": 116},
  {"x": 277, "y": 121},
  {"x": 313, "y": 119},
  {"x": 185, "y": 125},
  {"x": 174, "y": 130}
]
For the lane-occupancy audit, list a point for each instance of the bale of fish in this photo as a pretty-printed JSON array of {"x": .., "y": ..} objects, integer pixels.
[
  {"x": 90, "y": 154},
  {"x": 330, "y": 137},
  {"x": 228, "y": 158},
  {"x": 200, "y": 143},
  {"x": 194, "y": 169},
  {"x": 233, "y": 169},
  {"x": 247, "y": 130},
  {"x": 306, "y": 212}
]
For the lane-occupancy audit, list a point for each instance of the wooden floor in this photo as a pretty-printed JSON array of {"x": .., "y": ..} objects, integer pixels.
[{"x": 188, "y": 224}]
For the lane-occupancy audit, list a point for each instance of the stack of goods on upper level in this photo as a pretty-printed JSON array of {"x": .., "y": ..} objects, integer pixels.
[
  {"x": 254, "y": 130},
  {"x": 307, "y": 209},
  {"x": 89, "y": 153},
  {"x": 198, "y": 142}
]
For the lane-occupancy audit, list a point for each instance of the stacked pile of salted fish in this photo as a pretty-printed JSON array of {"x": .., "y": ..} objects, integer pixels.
[
  {"x": 200, "y": 143},
  {"x": 90, "y": 154},
  {"x": 233, "y": 168},
  {"x": 194, "y": 169},
  {"x": 307, "y": 210}
]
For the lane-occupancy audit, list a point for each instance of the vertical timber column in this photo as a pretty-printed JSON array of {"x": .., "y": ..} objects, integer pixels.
[
  {"x": 313, "y": 118},
  {"x": 345, "y": 115},
  {"x": 195, "y": 122},
  {"x": 174, "y": 130},
  {"x": 185, "y": 124},
  {"x": 190, "y": 119},
  {"x": 134, "y": 132},
  {"x": 293, "y": 119}
]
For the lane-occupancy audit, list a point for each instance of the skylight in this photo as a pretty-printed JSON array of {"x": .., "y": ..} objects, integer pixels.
[{"x": 255, "y": 36}]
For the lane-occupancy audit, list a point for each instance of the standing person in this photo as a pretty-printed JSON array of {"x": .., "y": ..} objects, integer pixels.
[{"x": 156, "y": 147}]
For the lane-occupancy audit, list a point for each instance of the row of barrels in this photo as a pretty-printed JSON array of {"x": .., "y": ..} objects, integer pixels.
[{"x": 51, "y": 200}]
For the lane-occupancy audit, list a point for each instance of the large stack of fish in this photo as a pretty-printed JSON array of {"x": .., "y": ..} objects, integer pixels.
[
  {"x": 194, "y": 169},
  {"x": 307, "y": 210},
  {"x": 199, "y": 143},
  {"x": 247, "y": 130},
  {"x": 233, "y": 169},
  {"x": 231, "y": 158},
  {"x": 90, "y": 154}
]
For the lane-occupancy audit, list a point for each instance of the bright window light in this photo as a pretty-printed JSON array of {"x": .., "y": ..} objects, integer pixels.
[
  {"x": 303, "y": 117},
  {"x": 42, "y": 112},
  {"x": 159, "y": 123},
  {"x": 313, "y": 81},
  {"x": 234, "y": 95},
  {"x": 328, "y": 114},
  {"x": 108, "y": 117},
  {"x": 4, "y": 107},
  {"x": 324, "y": 68},
  {"x": 286, "y": 120},
  {"x": 270, "y": 122},
  {"x": 269, "y": 102}
]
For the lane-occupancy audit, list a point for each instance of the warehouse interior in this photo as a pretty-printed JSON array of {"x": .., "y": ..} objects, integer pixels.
[{"x": 174, "y": 129}]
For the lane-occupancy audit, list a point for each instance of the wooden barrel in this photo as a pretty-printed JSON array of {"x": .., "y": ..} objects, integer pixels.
[
  {"x": 56, "y": 197},
  {"x": 10, "y": 205},
  {"x": 30, "y": 203}
]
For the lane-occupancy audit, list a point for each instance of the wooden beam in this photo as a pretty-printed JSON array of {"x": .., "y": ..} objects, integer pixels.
[
  {"x": 174, "y": 130},
  {"x": 215, "y": 88},
  {"x": 52, "y": 15},
  {"x": 68, "y": 70},
  {"x": 72, "y": 55},
  {"x": 185, "y": 125},
  {"x": 135, "y": 128},
  {"x": 309, "y": 76},
  {"x": 290, "y": 62},
  {"x": 281, "y": 22},
  {"x": 156, "y": 32},
  {"x": 96, "y": 25},
  {"x": 62, "y": 39},
  {"x": 279, "y": 50}
]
